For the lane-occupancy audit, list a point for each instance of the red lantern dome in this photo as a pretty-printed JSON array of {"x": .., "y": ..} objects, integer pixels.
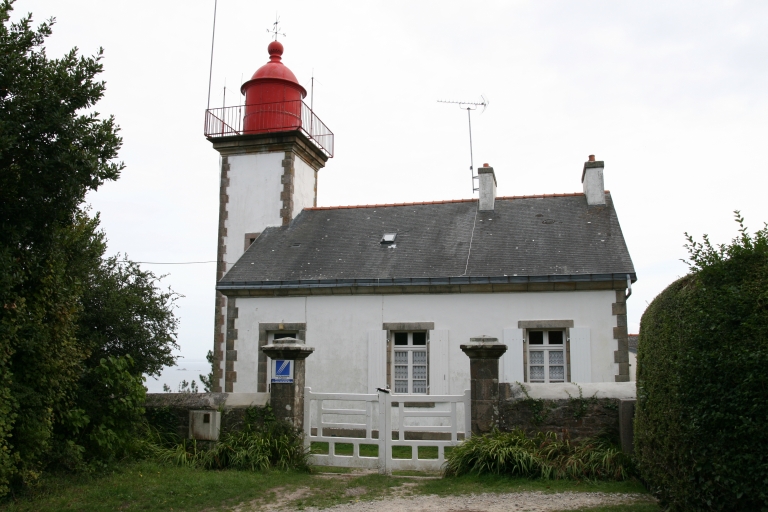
[{"x": 272, "y": 96}]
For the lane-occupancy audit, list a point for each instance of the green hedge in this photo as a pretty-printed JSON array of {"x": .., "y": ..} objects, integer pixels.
[{"x": 701, "y": 426}]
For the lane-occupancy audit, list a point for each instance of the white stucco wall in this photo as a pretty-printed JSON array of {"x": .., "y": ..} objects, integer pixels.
[
  {"x": 487, "y": 190},
  {"x": 303, "y": 186},
  {"x": 594, "y": 185},
  {"x": 254, "y": 198},
  {"x": 337, "y": 326}
]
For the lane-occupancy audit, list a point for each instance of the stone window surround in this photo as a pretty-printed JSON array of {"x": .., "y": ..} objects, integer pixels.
[
  {"x": 527, "y": 325},
  {"x": 267, "y": 328},
  {"x": 404, "y": 326},
  {"x": 249, "y": 239}
]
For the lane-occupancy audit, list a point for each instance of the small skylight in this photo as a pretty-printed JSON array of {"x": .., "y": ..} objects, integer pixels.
[{"x": 388, "y": 238}]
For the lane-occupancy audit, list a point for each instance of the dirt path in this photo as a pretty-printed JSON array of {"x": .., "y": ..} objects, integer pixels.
[
  {"x": 517, "y": 502},
  {"x": 403, "y": 498}
]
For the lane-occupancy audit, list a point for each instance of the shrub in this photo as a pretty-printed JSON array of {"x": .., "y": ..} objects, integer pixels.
[
  {"x": 262, "y": 443},
  {"x": 542, "y": 456},
  {"x": 700, "y": 435}
]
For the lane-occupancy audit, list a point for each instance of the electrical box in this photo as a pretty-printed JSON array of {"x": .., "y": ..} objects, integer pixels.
[{"x": 204, "y": 425}]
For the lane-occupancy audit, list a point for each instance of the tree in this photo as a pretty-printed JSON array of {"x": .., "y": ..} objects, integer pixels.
[
  {"x": 207, "y": 380},
  {"x": 50, "y": 157},
  {"x": 51, "y": 154},
  {"x": 125, "y": 313},
  {"x": 67, "y": 377},
  {"x": 126, "y": 328}
]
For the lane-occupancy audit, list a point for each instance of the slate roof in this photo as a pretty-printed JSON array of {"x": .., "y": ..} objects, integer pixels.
[
  {"x": 632, "y": 342},
  {"x": 554, "y": 237}
]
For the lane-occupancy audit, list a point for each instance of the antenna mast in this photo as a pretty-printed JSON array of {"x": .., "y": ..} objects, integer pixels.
[
  {"x": 470, "y": 106},
  {"x": 213, "y": 38}
]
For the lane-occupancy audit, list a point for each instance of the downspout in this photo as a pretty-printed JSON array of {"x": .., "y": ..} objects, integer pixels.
[{"x": 629, "y": 287}]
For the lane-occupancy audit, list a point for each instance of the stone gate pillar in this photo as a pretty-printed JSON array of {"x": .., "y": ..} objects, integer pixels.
[
  {"x": 287, "y": 386},
  {"x": 484, "y": 354}
]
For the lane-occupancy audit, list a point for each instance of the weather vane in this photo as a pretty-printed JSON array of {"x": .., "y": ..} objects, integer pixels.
[{"x": 276, "y": 28}]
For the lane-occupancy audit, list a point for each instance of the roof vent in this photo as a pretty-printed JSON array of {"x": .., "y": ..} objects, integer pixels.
[{"x": 388, "y": 238}]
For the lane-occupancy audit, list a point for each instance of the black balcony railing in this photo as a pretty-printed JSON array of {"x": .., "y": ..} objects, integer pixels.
[{"x": 269, "y": 118}]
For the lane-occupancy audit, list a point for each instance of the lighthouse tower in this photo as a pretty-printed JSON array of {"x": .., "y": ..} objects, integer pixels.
[{"x": 271, "y": 150}]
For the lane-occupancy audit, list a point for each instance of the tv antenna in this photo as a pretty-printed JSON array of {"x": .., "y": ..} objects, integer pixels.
[
  {"x": 469, "y": 106},
  {"x": 276, "y": 28}
]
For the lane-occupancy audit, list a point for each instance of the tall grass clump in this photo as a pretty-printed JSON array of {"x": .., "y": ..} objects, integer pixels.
[
  {"x": 261, "y": 444},
  {"x": 543, "y": 455}
]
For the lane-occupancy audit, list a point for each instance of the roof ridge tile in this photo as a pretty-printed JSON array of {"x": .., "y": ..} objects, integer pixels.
[
  {"x": 387, "y": 205},
  {"x": 445, "y": 201}
]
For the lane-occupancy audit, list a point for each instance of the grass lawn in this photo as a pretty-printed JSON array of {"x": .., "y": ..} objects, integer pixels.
[
  {"x": 634, "y": 507},
  {"x": 372, "y": 450},
  {"x": 151, "y": 487}
]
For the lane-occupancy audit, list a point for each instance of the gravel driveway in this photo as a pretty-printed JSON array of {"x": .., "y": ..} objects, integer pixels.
[{"x": 519, "y": 501}]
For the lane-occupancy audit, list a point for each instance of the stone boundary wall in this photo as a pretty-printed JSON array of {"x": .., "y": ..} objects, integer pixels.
[
  {"x": 170, "y": 411},
  {"x": 571, "y": 410},
  {"x": 549, "y": 408}
]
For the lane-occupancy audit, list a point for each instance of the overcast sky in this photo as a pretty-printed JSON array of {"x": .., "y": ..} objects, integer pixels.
[{"x": 671, "y": 95}]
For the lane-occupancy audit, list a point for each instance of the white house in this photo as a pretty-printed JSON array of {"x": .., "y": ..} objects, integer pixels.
[{"x": 387, "y": 293}]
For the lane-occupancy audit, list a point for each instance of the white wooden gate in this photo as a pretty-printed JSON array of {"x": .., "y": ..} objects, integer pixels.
[{"x": 383, "y": 420}]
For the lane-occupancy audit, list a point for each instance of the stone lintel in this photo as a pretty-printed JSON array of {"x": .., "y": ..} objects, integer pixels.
[
  {"x": 544, "y": 324},
  {"x": 408, "y": 326}
]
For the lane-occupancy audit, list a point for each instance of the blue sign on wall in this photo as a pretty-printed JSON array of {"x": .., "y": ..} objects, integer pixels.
[{"x": 282, "y": 371}]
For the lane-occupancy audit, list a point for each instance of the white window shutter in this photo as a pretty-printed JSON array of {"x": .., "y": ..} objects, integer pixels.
[
  {"x": 581, "y": 355},
  {"x": 439, "y": 377},
  {"x": 511, "y": 367},
  {"x": 377, "y": 359}
]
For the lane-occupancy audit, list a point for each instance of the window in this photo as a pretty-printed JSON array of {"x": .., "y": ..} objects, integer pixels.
[
  {"x": 249, "y": 239},
  {"x": 409, "y": 357},
  {"x": 546, "y": 356},
  {"x": 280, "y": 335},
  {"x": 268, "y": 333}
]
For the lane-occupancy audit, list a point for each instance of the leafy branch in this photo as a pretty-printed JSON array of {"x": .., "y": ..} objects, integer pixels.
[
  {"x": 537, "y": 406},
  {"x": 580, "y": 404}
]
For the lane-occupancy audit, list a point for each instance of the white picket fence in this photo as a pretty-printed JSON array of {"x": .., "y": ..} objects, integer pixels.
[{"x": 369, "y": 414}]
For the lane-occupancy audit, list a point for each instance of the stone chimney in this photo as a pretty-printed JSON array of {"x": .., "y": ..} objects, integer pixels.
[
  {"x": 592, "y": 180},
  {"x": 487, "y": 188}
]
